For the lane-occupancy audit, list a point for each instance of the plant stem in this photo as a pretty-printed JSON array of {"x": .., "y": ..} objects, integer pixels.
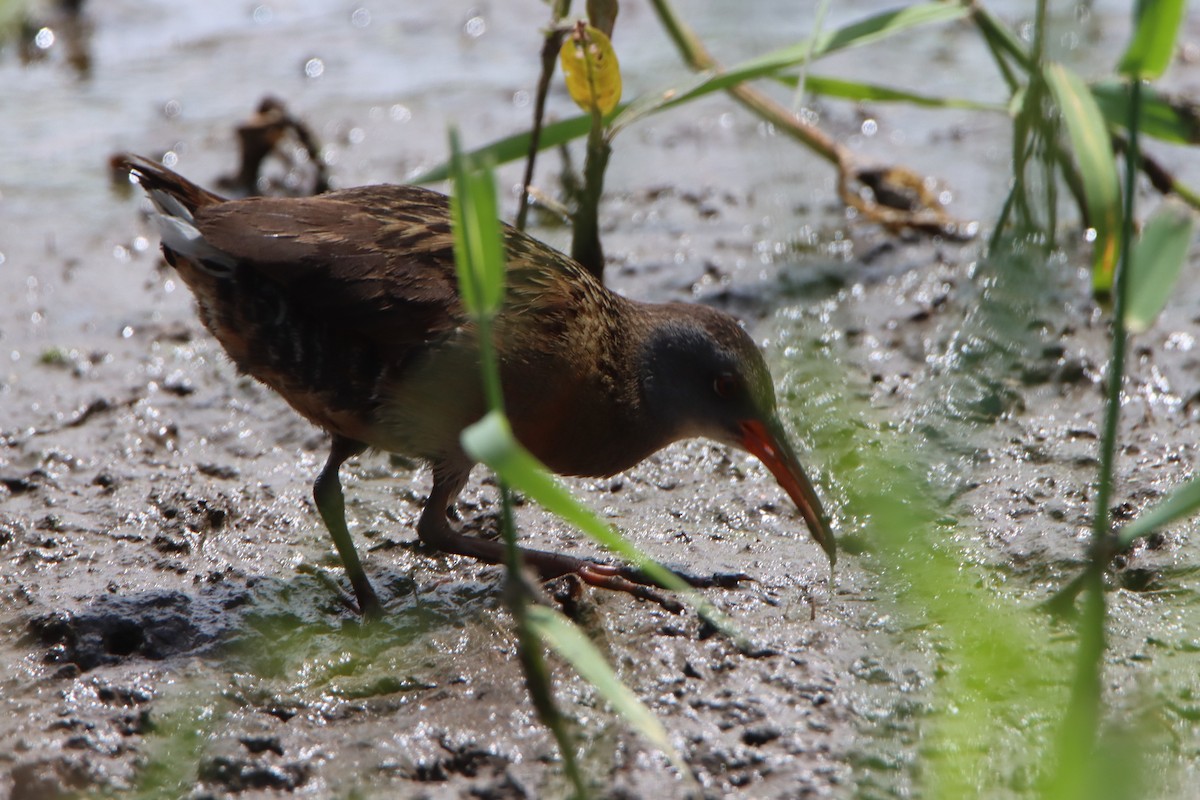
[
  {"x": 926, "y": 216},
  {"x": 999, "y": 42},
  {"x": 1049, "y": 133},
  {"x": 517, "y": 591},
  {"x": 550, "y": 48},
  {"x": 489, "y": 365},
  {"x": 1082, "y": 720},
  {"x": 585, "y": 241},
  {"x": 698, "y": 58},
  {"x": 1039, "y": 34},
  {"x": 533, "y": 660},
  {"x": 1001, "y": 39}
]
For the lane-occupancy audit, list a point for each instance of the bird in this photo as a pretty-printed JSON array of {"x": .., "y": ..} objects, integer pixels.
[{"x": 347, "y": 305}]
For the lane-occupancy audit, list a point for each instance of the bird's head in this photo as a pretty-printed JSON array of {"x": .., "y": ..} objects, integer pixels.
[{"x": 702, "y": 375}]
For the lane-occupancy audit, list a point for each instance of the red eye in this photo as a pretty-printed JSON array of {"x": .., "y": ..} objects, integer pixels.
[{"x": 725, "y": 385}]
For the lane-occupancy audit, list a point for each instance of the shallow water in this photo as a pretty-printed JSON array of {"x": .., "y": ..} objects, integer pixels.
[{"x": 162, "y": 562}]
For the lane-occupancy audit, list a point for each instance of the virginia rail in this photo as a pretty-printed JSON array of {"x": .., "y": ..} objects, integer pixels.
[{"x": 347, "y": 305}]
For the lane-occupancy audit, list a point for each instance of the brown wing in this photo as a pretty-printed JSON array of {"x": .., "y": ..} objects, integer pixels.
[{"x": 374, "y": 261}]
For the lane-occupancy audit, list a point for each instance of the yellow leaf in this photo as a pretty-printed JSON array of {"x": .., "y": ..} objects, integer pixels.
[{"x": 590, "y": 66}]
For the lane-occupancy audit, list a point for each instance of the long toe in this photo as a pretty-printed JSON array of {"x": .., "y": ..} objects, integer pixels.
[{"x": 602, "y": 576}]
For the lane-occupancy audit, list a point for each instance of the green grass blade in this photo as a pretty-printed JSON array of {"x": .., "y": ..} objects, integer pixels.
[
  {"x": 887, "y": 24},
  {"x": 1156, "y": 27},
  {"x": 1154, "y": 267},
  {"x": 569, "y": 641},
  {"x": 1183, "y": 502},
  {"x": 512, "y": 148},
  {"x": 1093, "y": 153},
  {"x": 491, "y": 442},
  {"x": 1003, "y": 43},
  {"x": 480, "y": 266},
  {"x": 856, "y": 34},
  {"x": 479, "y": 250},
  {"x": 1169, "y": 119},
  {"x": 698, "y": 86},
  {"x": 872, "y": 29},
  {"x": 515, "y": 147},
  {"x": 864, "y": 92}
]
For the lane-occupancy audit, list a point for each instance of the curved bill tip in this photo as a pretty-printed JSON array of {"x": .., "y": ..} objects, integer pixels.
[{"x": 767, "y": 442}]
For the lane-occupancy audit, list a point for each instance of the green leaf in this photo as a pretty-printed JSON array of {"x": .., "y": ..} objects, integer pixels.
[
  {"x": 1155, "y": 263},
  {"x": 590, "y": 69},
  {"x": 1156, "y": 27},
  {"x": 1093, "y": 153},
  {"x": 490, "y": 441},
  {"x": 1170, "y": 119},
  {"x": 478, "y": 245},
  {"x": 1182, "y": 502},
  {"x": 569, "y": 642}
]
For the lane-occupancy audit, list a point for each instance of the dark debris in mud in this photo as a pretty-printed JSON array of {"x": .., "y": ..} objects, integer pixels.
[
  {"x": 239, "y": 775},
  {"x": 156, "y": 626}
]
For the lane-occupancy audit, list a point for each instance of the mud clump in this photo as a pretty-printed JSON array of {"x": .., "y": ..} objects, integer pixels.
[
  {"x": 152, "y": 626},
  {"x": 239, "y": 775}
]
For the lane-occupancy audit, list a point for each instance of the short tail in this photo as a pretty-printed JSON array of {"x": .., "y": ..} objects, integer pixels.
[
  {"x": 172, "y": 194},
  {"x": 177, "y": 199}
]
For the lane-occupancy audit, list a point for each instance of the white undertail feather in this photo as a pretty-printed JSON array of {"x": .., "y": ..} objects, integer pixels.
[{"x": 177, "y": 227}]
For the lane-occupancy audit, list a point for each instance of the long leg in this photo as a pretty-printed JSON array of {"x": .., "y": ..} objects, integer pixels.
[
  {"x": 327, "y": 491},
  {"x": 436, "y": 530}
]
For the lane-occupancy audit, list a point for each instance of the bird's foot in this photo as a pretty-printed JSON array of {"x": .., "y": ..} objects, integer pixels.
[
  {"x": 364, "y": 601},
  {"x": 622, "y": 578},
  {"x": 369, "y": 608},
  {"x": 717, "y": 580},
  {"x": 607, "y": 576},
  {"x": 438, "y": 533},
  {"x": 634, "y": 581},
  {"x": 368, "y": 604}
]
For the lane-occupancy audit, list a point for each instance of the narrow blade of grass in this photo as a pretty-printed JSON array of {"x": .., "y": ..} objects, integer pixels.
[
  {"x": 479, "y": 261},
  {"x": 887, "y": 24},
  {"x": 856, "y": 34},
  {"x": 512, "y": 148},
  {"x": 1154, "y": 265},
  {"x": 1169, "y": 119},
  {"x": 1183, "y": 502},
  {"x": 568, "y": 641},
  {"x": 864, "y": 92},
  {"x": 478, "y": 247},
  {"x": 890, "y": 23},
  {"x": 491, "y": 441},
  {"x": 879, "y": 26},
  {"x": 1094, "y": 156},
  {"x": 1004, "y": 44},
  {"x": 1156, "y": 26}
]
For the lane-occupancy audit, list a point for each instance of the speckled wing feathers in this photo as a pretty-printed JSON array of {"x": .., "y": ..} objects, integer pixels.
[{"x": 347, "y": 258}]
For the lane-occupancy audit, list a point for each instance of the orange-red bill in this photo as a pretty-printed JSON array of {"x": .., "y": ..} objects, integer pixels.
[{"x": 769, "y": 444}]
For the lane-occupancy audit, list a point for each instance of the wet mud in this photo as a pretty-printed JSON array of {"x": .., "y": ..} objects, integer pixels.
[{"x": 173, "y": 619}]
